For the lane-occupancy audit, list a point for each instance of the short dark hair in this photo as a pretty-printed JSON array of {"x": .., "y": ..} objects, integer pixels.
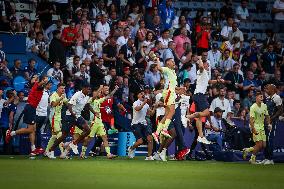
[
  {"x": 61, "y": 85},
  {"x": 168, "y": 59},
  {"x": 55, "y": 32},
  {"x": 258, "y": 93}
]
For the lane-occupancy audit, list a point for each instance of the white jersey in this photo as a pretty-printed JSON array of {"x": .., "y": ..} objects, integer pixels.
[
  {"x": 202, "y": 81},
  {"x": 78, "y": 102},
  {"x": 139, "y": 116},
  {"x": 41, "y": 109}
]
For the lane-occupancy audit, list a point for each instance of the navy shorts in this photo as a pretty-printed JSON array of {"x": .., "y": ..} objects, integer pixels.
[
  {"x": 69, "y": 121},
  {"x": 141, "y": 131},
  {"x": 29, "y": 115},
  {"x": 200, "y": 101}
]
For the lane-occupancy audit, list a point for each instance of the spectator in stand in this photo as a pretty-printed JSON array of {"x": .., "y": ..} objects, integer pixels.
[
  {"x": 276, "y": 79},
  {"x": 41, "y": 45},
  {"x": 16, "y": 70},
  {"x": 180, "y": 40},
  {"x": 234, "y": 81},
  {"x": 30, "y": 42},
  {"x": 111, "y": 75},
  {"x": 122, "y": 40},
  {"x": 227, "y": 64},
  {"x": 30, "y": 70},
  {"x": 261, "y": 81},
  {"x": 110, "y": 53},
  {"x": 242, "y": 11},
  {"x": 167, "y": 13},
  {"x": 102, "y": 31},
  {"x": 268, "y": 61},
  {"x": 227, "y": 29},
  {"x": 84, "y": 36},
  {"x": 141, "y": 33},
  {"x": 81, "y": 77},
  {"x": 249, "y": 83},
  {"x": 253, "y": 50},
  {"x": 236, "y": 33},
  {"x": 236, "y": 108},
  {"x": 226, "y": 11},
  {"x": 165, "y": 39},
  {"x": 57, "y": 26},
  {"x": 213, "y": 131},
  {"x": 222, "y": 102},
  {"x": 37, "y": 27},
  {"x": 156, "y": 25},
  {"x": 278, "y": 11},
  {"x": 97, "y": 73},
  {"x": 74, "y": 67},
  {"x": 127, "y": 52},
  {"x": 149, "y": 41},
  {"x": 202, "y": 36},
  {"x": 214, "y": 56},
  {"x": 55, "y": 72},
  {"x": 152, "y": 77},
  {"x": 57, "y": 49},
  {"x": 69, "y": 37},
  {"x": 248, "y": 100}
]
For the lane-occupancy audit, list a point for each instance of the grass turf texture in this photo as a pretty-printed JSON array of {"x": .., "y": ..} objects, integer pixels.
[{"x": 99, "y": 172}]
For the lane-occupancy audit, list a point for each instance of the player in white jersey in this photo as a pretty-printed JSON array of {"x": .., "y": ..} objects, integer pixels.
[{"x": 73, "y": 117}]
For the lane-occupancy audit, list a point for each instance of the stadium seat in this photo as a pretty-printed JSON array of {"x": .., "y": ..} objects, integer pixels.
[
  {"x": 208, "y": 5},
  {"x": 192, "y": 14},
  {"x": 22, "y": 7},
  {"x": 22, "y": 15}
]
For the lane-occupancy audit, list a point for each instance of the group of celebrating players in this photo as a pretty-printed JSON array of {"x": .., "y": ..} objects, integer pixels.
[{"x": 169, "y": 112}]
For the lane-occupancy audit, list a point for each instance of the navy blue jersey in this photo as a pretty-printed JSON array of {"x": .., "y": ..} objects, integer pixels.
[{"x": 7, "y": 109}]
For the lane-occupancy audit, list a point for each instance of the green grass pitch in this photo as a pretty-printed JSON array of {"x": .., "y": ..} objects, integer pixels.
[{"x": 99, "y": 172}]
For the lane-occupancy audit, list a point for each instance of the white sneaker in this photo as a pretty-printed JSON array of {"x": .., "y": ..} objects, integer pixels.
[
  {"x": 74, "y": 148},
  {"x": 163, "y": 155},
  {"x": 203, "y": 140},
  {"x": 50, "y": 155},
  {"x": 149, "y": 158},
  {"x": 263, "y": 161},
  {"x": 268, "y": 162},
  {"x": 131, "y": 153},
  {"x": 157, "y": 156}
]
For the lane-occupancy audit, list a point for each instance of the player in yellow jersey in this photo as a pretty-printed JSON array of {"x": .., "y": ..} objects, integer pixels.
[
  {"x": 57, "y": 99},
  {"x": 97, "y": 126},
  {"x": 258, "y": 113},
  {"x": 169, "y": 95}
]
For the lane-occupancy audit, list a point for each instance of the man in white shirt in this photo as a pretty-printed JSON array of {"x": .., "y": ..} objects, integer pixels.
[
  {"x": 55, "y": 72},
  {"x": 236, "y": 32},
  {"x": 73, "y": 117},
  {"x": 122, "y": 40},
  {"x": 200, "y": 100},
  {"x": 140, "y": 127},
  {"x": 214, "y": 56},
  {"x": 228, "y": 63},
  {"x": 226, "y": 29},
  {"x": 222, "y": 103},
  {"x": 165, "y": 39},
  {"x": 278, "y": 10},
  {"x": 242, "y": 11},
  {"x": 102, "y": 30},
  {"x": 41, "y": 115},
  {"x": 213, "y": 130}
]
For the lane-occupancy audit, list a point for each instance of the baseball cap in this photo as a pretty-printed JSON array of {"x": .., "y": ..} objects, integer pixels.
[{"x": 217, "y": 109}]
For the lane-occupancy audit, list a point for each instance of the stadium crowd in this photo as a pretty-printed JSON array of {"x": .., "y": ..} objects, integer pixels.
[{"x": 116, "y": 45}]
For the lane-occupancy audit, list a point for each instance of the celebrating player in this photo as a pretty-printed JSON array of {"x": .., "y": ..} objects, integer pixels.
[{"x": 258, "y": 112}]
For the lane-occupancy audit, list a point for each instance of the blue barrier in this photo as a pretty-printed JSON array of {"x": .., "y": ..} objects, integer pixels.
[
  {"x": 125, "y": 139},
  {"x": 13, "y": 43}
]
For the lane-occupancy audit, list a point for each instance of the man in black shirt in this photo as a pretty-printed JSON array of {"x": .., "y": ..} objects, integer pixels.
[
  {"x": 234, "y": 80},
  {"x": 110, "y": 53},
  {"x": 96, "y": 73}
]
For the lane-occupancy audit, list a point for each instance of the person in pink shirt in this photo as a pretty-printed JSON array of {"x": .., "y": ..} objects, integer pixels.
[
  {"x": 84, "y": 36},
  {"x": 180, "y": 40}
]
